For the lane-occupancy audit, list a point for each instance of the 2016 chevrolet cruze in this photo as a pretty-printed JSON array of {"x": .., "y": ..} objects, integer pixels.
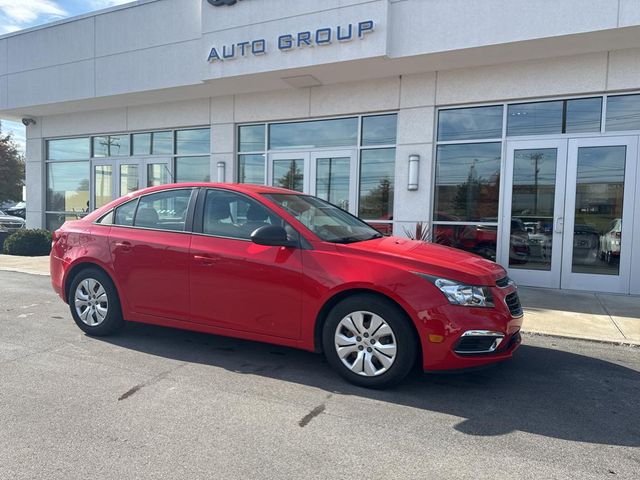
[{"x": 278, "y": 266}]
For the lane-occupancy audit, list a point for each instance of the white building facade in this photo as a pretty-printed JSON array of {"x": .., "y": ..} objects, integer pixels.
[{"x": 508, "y": 128}]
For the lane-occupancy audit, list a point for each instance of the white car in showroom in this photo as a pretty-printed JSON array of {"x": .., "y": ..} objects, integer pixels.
[{"x": 610, "y": 241}]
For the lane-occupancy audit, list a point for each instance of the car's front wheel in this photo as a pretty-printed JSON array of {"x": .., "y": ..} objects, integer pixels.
[
  {"x": 94, "y": 303},
  {"x": 369, "y": 341}
]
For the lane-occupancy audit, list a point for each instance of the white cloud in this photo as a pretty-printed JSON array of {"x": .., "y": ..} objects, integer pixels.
[
  {"x": 98, "y": 4},
  {"x": 23, "y": 12}
]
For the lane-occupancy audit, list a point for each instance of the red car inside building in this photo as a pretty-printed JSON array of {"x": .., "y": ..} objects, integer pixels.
[{"x": 278, "y": 266}]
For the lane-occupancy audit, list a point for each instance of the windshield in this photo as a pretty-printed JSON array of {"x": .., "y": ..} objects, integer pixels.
[{"x": 327, "y": 221}]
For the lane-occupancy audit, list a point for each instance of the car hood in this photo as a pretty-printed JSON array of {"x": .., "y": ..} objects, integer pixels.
[
  {"x": 431, "y": 259},
  {"x": 10, "y": 218}
]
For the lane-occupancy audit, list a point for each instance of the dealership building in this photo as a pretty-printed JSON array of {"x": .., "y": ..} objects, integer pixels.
[{"x": 508, "y": 128}]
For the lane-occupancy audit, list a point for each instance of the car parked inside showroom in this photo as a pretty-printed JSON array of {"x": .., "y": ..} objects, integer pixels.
[{"x": 278, "y": 266}]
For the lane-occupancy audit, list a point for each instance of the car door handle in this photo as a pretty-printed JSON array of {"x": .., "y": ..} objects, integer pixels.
[
  {"x": 125, "y": 246},
  {"x": 205, "y": 260}
]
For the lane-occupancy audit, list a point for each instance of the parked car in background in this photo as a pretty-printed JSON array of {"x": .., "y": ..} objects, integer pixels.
[
  {"x": 18, "y": 210},
  {"x": 8, "y": 225},
  {"x": 610, "y": 241},
  {"x": 278, "y": 266}
]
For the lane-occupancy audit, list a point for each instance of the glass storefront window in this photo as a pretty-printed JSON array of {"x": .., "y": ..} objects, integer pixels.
[
  {"x": 467, "y": 182},
  {"x": 129, "y": 180},
  {"x": 141, "y": 143},
  {"x": 314, "y": 134},
  {"x": 68, "y": 187},
  {"x": 251, "y": 138},
  {"x": 534, "y": 118},
  {"x": 68, "y": 149},
  {"x": 583, "y": 115},
  {"x": 251, "y": 169},
  {"x": 478, "y": 239},
  {"x": 377, "y": 177},
  {"x": 470, "y": 123},
  {"x": 189, "y": 142},
  {"x": 54, "y": 221},
  {"x": 379, "y": 130},
  {"x": 161, "y": 143},
  {"x": 623, "y": 113},
  {"x": 111, "y": 146},
  {"x": 193, "y": 169}
]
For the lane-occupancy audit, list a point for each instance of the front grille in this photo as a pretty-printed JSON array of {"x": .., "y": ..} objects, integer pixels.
[
  {"x": 12, "y": 225},
  {"x": 513, "y": 302}
]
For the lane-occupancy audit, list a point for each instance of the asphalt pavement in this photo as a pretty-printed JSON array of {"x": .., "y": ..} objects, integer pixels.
[{"x": 153, "y": 402}]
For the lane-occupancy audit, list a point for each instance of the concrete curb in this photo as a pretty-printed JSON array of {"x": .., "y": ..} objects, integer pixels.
[{"x": 619, "y": 343}]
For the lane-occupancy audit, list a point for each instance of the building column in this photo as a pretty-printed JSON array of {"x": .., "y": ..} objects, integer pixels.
[
  {"x": 223, "y": 137},
  {"x": 415, "y": 137},
  {"x": 35, "y": 176}
]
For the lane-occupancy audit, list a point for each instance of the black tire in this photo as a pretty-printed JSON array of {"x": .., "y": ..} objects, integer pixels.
[
  {"x": 396, "y": 319},
  {"x": 113, "y": 320}
]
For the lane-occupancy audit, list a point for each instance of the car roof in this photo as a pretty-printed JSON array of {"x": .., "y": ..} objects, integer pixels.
[{"x": 238, "y": 187}]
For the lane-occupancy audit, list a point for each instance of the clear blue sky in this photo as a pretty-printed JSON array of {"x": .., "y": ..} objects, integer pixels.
[{"x": 20, "y": 14}]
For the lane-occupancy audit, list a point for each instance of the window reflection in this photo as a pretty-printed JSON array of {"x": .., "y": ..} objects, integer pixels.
[
  {"x": 193, "y": 169},
  {"x": 111, "y": 146},
  {"x": 583, "y": 115},
  {"x": 314, "y": 134},
  {"x": 623, "y": 113},
  {"x": 478, "y": 239},
  {"x": 332, "y": 180},
  {"x": 597, "y": 235},
  {"x": 129, "y": 181},
  {"x": 468, "y": 181},
  {"x": 377, "y": 173},
  {"x": 68, "y": 187},
  {"x": 251, "y": 138},
  {"x": 251, "y": 169},
  {"x": 103, "y": 185},
  {"x": 470, "y": 123},
  {"x": 189, "y": 142},
  {"x": 289, "y": 174},
  {"x": 68, "y": 149},
  {"x": 532, "y": 208},
  {"x": 535, "y": 118},
  {"x": 379, "y": 130}
]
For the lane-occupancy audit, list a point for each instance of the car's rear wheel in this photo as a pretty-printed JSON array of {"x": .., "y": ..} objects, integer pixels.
[
  {"x": 94, "y": 303},
  {"x": 369, "y": 341}
]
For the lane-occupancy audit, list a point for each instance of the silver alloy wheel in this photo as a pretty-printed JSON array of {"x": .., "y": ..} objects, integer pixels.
[
  {"x": 91, "y": 302},
  {"x": 365, "y": 343}
]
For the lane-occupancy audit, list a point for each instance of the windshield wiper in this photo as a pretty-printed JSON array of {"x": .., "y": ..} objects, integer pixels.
[{"x": 354, "y": 238}]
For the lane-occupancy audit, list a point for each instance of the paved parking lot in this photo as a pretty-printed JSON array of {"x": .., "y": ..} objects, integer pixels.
[{"x": 160, "y": 403}]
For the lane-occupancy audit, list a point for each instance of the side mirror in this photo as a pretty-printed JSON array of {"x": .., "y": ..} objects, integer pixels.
[{"x": 272, "y": 235}]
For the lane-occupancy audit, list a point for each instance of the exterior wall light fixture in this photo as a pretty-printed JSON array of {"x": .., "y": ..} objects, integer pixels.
[
  {"x": 221, "y": 167},
  {"x": 414, "y": 170}
]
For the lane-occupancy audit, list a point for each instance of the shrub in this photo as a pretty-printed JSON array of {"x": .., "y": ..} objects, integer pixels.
[{"x": 28, "y": 243}]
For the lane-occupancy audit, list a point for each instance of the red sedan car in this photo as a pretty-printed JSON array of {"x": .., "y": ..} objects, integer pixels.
[{"x": 279, "y": 266}]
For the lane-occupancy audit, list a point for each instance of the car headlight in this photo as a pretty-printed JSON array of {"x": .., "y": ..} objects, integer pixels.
[{"x": 462, "y": 294}]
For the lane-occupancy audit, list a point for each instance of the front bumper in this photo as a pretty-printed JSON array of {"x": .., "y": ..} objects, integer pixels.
[{"x": 459, "y": 338}]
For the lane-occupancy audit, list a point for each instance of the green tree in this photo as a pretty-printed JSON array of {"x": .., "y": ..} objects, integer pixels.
[{"x": 11, "y": 170}]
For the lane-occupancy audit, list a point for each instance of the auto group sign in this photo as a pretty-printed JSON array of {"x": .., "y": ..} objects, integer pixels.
[{"x": 286, "y": 42}]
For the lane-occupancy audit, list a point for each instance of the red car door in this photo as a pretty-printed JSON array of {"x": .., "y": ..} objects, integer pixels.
[
  {"x": 235, "y": 283},
  {"x": 150, "y": 253}
]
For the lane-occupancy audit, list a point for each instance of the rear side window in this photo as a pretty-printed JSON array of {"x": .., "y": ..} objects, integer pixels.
[
  {"x": 124, "y": 213},
  {"x": 163, "y": 210}
]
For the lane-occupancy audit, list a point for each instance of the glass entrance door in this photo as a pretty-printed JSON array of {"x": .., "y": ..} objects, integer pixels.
[
  {"x": 568, "y": 214},
  {"x": 599, "y": 203},
  {"x": 112, "y": 179},
  {"x": 289, "y": 170},
  {"x": 532, "y": 222},
  {"x": 332, "y": 175}
]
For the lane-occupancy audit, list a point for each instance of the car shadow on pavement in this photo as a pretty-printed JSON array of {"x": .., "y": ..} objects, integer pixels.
[{"x": 541, "y": 390}]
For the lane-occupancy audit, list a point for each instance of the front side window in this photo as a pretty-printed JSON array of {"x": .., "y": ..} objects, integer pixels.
[
  {"x": 232, "y": 215},
  {"x": 163, "y": 210},
  {"x": 327, "y": 221},
  {"x": 467, "y": 182}
]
